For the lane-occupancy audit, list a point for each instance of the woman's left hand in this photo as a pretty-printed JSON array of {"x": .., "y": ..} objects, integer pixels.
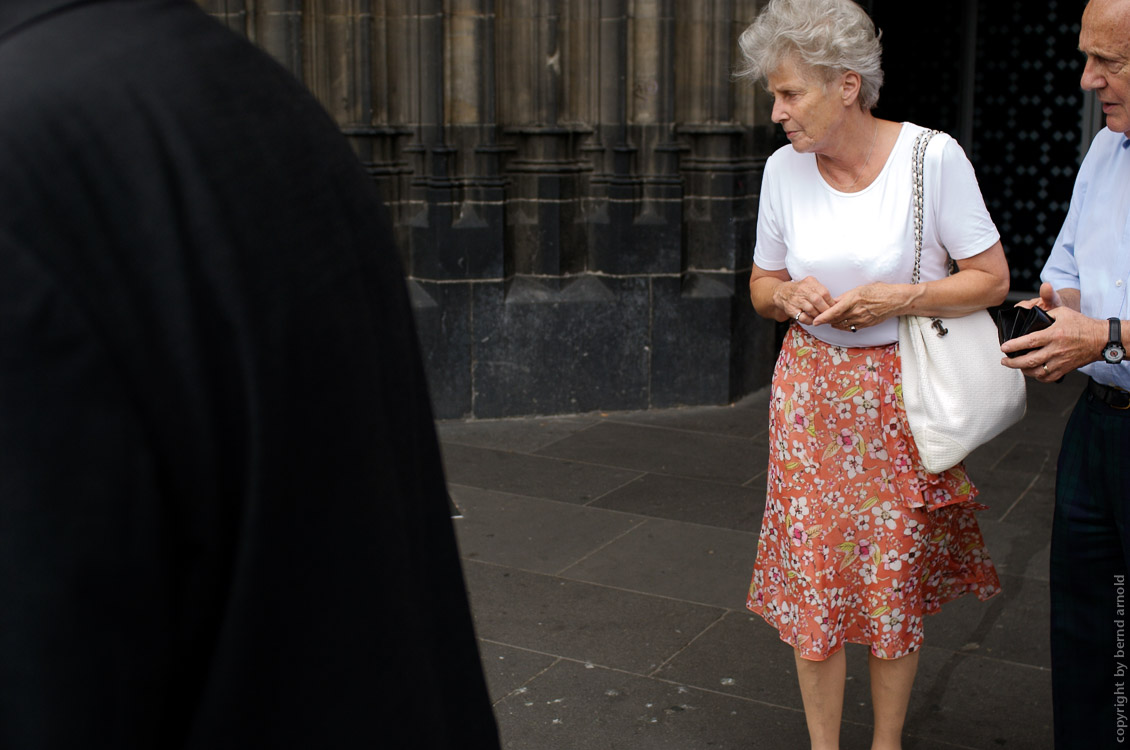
[{"x": 863, "y": 306}]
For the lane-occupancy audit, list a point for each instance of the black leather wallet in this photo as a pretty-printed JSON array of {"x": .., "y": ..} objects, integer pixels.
[{"x": 1014, "y": 322}]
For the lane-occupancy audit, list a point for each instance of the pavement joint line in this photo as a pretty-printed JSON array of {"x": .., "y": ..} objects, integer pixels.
[
  {"x": 580, "y": 462},
  {"x": 627, "y": 468},
  {"x": 642, "y": 516},
  {"x": 688, "y": 644},
  {"x": 759, "y": 475},
  {"x": 682, "y": 430},
  {"x": 581, "y": 431},
  {"x": 518, "y": 690},
  {"x": 585, "y": 504},
  {"x": 1001, "y": 456},
  {"x": 1036, "y": 478},
  {"x": 633, "y": 480},
  {"x": 568, "y": 579},
  {"x": 755, "y": 438},
  {"x": 985, "y": 657},
  {"x": 561, "y": 573}
]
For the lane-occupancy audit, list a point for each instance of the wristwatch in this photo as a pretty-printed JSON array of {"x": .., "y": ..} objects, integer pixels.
[{"x": 1114, "y": 352}]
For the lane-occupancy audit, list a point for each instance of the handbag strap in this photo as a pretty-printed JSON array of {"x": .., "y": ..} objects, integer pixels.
[{"x": 920, "y": 144}]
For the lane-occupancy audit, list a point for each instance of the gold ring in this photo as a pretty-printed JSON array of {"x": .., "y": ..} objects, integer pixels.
[{"x": 1045, "y": 368}]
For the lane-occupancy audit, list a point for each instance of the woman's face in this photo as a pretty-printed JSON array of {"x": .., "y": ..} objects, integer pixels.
[{"x": 807, "y": 107}]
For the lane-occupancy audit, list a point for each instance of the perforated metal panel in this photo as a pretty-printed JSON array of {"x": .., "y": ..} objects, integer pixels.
[
  {"x": 1011, "y": 97},
  {"x": 1027, "y": 123}
]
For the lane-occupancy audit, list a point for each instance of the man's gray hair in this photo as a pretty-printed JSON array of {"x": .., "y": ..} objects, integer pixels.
[{"x": 829, "y": 36}]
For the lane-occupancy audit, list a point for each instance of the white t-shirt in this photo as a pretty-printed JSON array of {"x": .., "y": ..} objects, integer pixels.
[{"x": 845, "y": 240}]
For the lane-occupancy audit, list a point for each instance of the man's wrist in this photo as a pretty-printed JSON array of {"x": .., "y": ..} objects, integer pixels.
[{"x": 1113, "y": 349}]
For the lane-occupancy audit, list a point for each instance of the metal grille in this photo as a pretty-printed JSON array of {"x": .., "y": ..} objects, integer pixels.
[
  {"x": 1020, "y": 124},
  {"x": 1027, "y": 127}
]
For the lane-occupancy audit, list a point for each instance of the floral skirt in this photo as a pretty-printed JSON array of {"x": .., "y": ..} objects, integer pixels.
[{"x": 858, "y": 541}]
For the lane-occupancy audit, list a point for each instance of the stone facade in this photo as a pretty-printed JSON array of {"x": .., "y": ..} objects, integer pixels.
[{"x": 573, "y": 182}]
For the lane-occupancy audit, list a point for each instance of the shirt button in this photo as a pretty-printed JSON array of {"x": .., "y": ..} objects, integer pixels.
[{"x": 1118, "y": 283}]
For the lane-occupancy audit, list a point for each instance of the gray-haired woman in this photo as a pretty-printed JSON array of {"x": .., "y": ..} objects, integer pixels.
[{"x": 858, "y": 541}]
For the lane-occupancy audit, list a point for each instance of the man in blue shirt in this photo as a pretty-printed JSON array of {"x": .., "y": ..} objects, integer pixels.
[{"x": 1085, "y": 290}]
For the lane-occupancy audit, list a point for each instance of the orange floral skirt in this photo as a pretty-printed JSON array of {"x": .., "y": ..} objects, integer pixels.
[{"x": 858, "y": 541}]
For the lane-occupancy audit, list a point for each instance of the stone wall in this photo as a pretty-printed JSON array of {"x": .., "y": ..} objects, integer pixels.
[{"x": 573, "y": 182}]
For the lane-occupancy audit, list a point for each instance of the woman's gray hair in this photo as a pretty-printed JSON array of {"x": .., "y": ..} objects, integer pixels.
[{"x": 830, "y": 36}]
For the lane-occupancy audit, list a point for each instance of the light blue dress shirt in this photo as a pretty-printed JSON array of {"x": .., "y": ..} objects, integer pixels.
[{"x": 1092, "y": 251}]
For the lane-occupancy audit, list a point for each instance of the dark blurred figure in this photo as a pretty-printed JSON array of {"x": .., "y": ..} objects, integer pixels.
[{"x": 223, "y": 521}]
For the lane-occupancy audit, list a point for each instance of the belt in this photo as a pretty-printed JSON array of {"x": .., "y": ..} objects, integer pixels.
[{"x": 1116, "y": 398}]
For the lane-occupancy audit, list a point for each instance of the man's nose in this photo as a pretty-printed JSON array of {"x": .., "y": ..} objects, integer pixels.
[{"x": 1091, "y": 78}]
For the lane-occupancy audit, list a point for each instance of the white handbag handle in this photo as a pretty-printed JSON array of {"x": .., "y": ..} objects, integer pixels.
[{"x": 920, "y": 144}]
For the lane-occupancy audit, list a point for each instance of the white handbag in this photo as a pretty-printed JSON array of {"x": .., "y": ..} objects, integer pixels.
[{"x": 956, "y": 392}]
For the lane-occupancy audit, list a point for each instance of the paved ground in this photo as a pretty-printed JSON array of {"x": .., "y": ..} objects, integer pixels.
[{"x": 608, "y": 556}]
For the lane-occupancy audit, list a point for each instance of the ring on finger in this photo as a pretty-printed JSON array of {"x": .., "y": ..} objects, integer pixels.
[
  {"x": 852, "y": 329},
  {"x": 1046, "y": 368},
  {"x": 798, "y": 314}
]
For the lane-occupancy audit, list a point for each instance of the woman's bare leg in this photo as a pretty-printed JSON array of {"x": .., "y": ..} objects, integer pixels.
[
  {"x": 822, "y": 688},
  {"x": 891, "y": 680}
]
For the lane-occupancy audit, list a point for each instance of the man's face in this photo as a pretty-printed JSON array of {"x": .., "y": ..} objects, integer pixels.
[{"x": 1105, "y": 39}]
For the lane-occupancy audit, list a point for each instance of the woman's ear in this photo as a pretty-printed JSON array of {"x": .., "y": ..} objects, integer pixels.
[{"x": 850, "y": 84}]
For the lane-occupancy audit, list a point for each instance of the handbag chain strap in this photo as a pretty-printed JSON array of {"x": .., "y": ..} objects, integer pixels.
[{"x": 920, "y": 144}]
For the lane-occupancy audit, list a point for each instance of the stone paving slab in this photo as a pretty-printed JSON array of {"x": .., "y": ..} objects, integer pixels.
[
  {"x": 507, "y": 668},
  {"x": 700, "y": 564},
  {"x": 525, "y": 533},
  {"x": 690, "y": 500},
  {"x": 582, "y": 621},
  {"x": 746, "y": 419},
  {"x": 663, "y": 450},
  {"x": 1012, "y": 626},
  {"x": 535, "y": 476},
  {"x": 516, "y": 435}
]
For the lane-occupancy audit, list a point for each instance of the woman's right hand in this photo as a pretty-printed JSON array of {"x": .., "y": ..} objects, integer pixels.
[{"x": 802, "y": 300}]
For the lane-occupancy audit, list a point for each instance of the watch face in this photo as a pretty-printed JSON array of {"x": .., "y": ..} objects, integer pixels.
[{"x": 1113, "y": 353}]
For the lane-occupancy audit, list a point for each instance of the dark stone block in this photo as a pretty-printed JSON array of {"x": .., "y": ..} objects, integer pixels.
[
  {"x": 623, "y": 239},
  {"x": 716, "y": 217},
  {"x": 708, "y": 345},
  {"x": 756, "y": 342},
  {"x": 539, "y": 229},
  {"x": 542, "y": 350},
  {"x": 464, "y": 240},
  {"x": 691, "y": 330},
  {"x": 443, "y": 323}
]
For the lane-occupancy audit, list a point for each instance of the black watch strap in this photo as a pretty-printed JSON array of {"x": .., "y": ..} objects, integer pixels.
[{"x": 1114, "y": 352}]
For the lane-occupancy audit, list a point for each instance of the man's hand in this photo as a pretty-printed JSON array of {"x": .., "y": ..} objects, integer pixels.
[
  {"x": 1049, "y": 299},
  {"x": 1072, "y": 341}
]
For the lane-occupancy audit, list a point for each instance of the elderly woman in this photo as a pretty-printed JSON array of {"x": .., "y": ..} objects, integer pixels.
[{"x": 858, "y": 541}]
